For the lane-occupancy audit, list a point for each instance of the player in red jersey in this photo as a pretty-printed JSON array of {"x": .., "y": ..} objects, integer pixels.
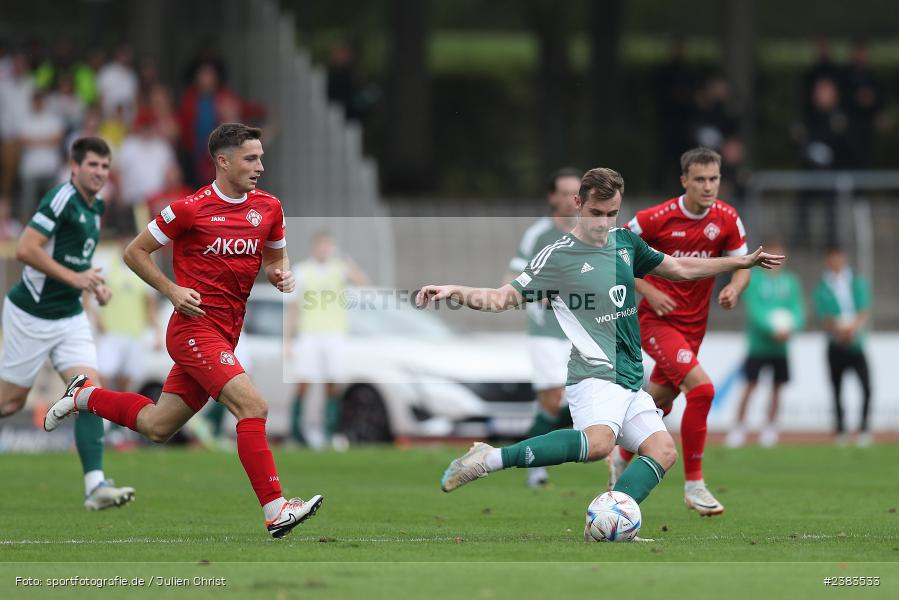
[
  {"x": 673, "y": 315},
  {"x": 221, "y": 235}
]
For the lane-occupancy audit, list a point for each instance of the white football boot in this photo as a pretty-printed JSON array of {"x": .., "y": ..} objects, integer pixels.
[
  {"x": 698, "y": 497},
  {"x": 617, "y": 465},
  {"x": 294, "y": 512},
  {"x": 107, "y": 495},
  {"x": 65, "y": 406},
  {"x": 472, "y": 465}
]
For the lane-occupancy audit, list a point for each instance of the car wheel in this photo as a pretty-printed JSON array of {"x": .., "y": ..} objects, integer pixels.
[{"x": 363, "y": 416}]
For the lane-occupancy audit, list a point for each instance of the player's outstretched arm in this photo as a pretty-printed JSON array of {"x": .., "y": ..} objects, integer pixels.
[
  {"x": 485, "y": 299},
  {"x": 687, "y": 267},
  {"x": 137, "y": 256}
]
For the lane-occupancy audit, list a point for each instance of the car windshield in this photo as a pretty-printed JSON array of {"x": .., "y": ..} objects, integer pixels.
[{"x": 368, "y": 315}]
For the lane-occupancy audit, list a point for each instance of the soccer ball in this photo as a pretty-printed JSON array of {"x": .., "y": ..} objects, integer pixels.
[
  {"x": 612, "y": 517},
  {"x": 781, "y": 320}
]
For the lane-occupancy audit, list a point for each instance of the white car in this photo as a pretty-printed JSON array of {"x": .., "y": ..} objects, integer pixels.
[{"x": 408, "y": 374}]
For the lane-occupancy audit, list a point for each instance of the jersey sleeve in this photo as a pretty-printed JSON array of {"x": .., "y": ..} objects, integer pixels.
[
  {"x": 646, "y": 258},
  {"x": 735, "y": 240},
  {"x": 540, "y": 277},
  {"x": 46, "y": 220},
  {"x": 173, "y": 221},
  {"x": 277, "y": 235},
  {"x": 640, "y": 224}
]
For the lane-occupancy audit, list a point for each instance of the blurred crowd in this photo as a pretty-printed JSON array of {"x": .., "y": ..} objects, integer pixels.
[
  {"x": 157, "y": 133},
  {"x": 842, "y": 113}
]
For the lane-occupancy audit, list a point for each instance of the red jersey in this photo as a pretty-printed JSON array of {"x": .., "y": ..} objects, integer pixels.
[
  {"x": 218, "y": 244},
  {"x": 671, "y": 229}
]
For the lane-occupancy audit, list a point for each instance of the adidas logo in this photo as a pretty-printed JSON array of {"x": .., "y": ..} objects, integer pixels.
[
  {"x": 586, "y": 268},
  {"x": 528, "y": 455}
]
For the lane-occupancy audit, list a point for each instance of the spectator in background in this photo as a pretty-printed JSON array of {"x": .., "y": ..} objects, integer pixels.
[
  {"x": 201, "y": 112},
  {"x": 159, "y": 104},
  {"x": 117, "y": 83},
  {"x": 774, "y": 312},
  {"x": 40, "y": 136},
  {"x": 63, "y": 102},
  {"x": 143, "y": 161},
  {"x": 15, "y": 104},
  {"x": 824, "y": 67},
  {"x": 843, "y": 302},
  {"x": 735, "y": 172},
  {"x": 711, "y": 121},
  {"x": 673, "y": 86},
  {"x": 343, "y": 87},
  {"x": 85, "y": 74},
  {"x": 114, "y": 128},
  {"x": 825, "y": 145},
  {"x": 48, "y": 72},
  {"x": 865, "y": 103}
]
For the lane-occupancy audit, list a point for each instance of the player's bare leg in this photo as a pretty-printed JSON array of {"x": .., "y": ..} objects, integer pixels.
[
  {"x": 245, "y": 402},
  {"x": 12, "y": 398},
  {"x": 549, "y": 402},
  {"x": 697, "y": 387},
  {"x": 736, "y": 437},
  {"x": 769, "y": 436}
]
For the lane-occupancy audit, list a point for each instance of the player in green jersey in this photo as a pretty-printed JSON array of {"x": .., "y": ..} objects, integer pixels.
[
  {"x": 43, "y": 314},
  {"x": 548, "y": 346},
  {"x": 588, "y": 275}
]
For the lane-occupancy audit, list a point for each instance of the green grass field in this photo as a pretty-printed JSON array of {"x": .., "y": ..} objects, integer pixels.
[{"x": 794, "y": 515}]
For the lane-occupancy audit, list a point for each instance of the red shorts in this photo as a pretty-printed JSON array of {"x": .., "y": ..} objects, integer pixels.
[
  {"x": 673, "y": 352},
  {"x": 204, "y": 360}
]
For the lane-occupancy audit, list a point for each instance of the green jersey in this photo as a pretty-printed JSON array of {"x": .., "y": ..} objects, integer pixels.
[
  {"x": 841, "y": 296},
  {"x": 541, "y": 319},
  {"x": 773, "y": 300},
  {"x": 72, "y": 228},
  {"x": 592, "y": 293}
]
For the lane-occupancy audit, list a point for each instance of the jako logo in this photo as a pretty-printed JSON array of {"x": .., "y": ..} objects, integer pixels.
[
  {"x": 617, "y": 294},
  {"x": 232, "y": 246},
  {"x": 692, "y": 253}
]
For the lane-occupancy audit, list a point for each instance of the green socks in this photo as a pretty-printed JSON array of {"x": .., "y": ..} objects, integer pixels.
[
  {"x": 640, "y": 477},
  {"x": 545, "y": 422},
  {"x": 332, "y": 416},
  {"x": 214, "y": 416},
  {"x": 554, "y": 448},
  {"x": 89, "y": 441},
  {"x": 296, "y": 419}
]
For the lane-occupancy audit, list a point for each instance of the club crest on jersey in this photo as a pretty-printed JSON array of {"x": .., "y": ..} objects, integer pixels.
[
  {"x": 625, "y": 256},
  {"x": 617, "y": 294},
  {"x": 711, "y": 231},
  {"x": 227, "y": 359},
  {"x": 254, "y": 217},
  {"x": 684, "y": 356}
]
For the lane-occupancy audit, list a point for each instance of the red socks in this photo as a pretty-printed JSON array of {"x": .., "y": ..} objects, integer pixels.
[
  {"x": 257, "y": 460},
  {"x": 118, "y": 407},
  {"x": 694, "y": 428}
]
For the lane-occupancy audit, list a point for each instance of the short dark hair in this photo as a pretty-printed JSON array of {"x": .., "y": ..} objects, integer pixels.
[
  {"x": 699, "y": 156},
  {"x": 82, "y": 146},
  {"x": 231, "y": 135},
  {"x": 602, "y": 183},
  {"x": 553, "y": 181}
]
